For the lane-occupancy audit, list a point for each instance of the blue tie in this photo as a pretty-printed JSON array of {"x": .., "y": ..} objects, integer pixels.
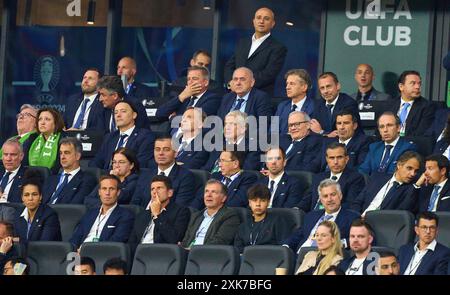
[
  {"x": 122, "y": 140},
  {"x": 383, "y": 164},
  {"x": 59, "y": 188},
  {"x": 404, "y": 112},
  {"x": 238, "y": 105},
  {"x": 434, "y": 196},
  {"x": 80, "y": 118},
  {"x": 5, "y": 180}
]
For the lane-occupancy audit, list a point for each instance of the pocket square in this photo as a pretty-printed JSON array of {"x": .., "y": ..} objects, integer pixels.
[
  {"x": 111, "y": 226},
  {"x": 445, "y": 198}
]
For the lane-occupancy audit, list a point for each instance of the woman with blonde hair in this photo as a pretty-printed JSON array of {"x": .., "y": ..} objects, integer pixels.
[{"x": 329, "y": 250}]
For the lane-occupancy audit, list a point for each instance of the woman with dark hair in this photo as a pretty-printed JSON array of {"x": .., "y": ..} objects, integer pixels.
[
  {"x": 126, "y": 167},
  {"x": 442, "y": 146},
  {"x": 42, "y": 148},
  {"x": 37, "y": 222}
]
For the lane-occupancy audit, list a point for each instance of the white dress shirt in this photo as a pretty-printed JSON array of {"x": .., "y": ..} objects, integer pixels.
[
  {"x": 4, "y": 196},
  {"x": 88, "y": 110},
  {"x": 256, "y": 43},
  {"x": 378, "y": 200},
  {"x": 99, "y": 224},
  {"x": 416, "y": 260},
  {"x": 275, "y": 186},
  {"x": 128, "y": 132}
]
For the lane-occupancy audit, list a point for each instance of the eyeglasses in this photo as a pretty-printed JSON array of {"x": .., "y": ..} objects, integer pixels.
[
  {"x": 24, "y": 115},
  {"x": 426, "y": 228},
  {"x": 121, "y": 162},
  {"x": 296, "y": 124}
]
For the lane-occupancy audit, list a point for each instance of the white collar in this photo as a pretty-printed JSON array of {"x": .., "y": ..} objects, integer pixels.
[
  {"x": 402, "y": 102},
  {"x": 167, "y": 171},
  {"x": 260, "y": 39},
  {"x": 91, "y": 97},
  {"x": 345, "y": 142},
  {"x": 128, "y": 132},
  {"x": 276, "y": 179},
  {"x": 110, "y": 210},
  {"x": 335, "y": 214},
  {"x": 431, "y": 246},
  {"x": 73, "y": 172},
  {"x": 334, "y": 101},
  {"x": 394, "y": 143}
]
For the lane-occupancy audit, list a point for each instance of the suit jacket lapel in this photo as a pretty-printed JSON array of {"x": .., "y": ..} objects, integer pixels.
[
  {"x": 443, "y": 193},
  {"x": 261, "y": 47},
  {"x": 110, "y": 221},
  {"x": 391, "y": 195},
  {"x": 279, "y": 196}
]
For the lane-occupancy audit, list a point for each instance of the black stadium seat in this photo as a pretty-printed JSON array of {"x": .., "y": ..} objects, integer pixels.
[
  {"x": 263, "y": 259},
  {"x": 201, "y": 177},
  {"x": 293, "y": 216},
  {"x": 212, "y": 260},
  {"x": 69, "y": 216},
  {"x": 244, "y": 214},
  {"x": 159, "y": 259},
  {"x": 103, "y": 251},
  {"x": 49, "y": 258},
  {"x": 443, "y": 235}
]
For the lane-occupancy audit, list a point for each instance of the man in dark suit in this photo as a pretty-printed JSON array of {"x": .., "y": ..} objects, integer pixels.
[
  {"x": 427, "y": 256},
  {"x": 111, "y": 92},
  {"x": 330, "y": 195},
  {"x": 110, "y": 222},
  {"x": 216, "y": 224},
  {"x": 127, "y": 69},
  {"x": 233, "y": 177},
  {"x": 128, "y": 135},
  {"x": 364, "y": 77},
  {"x": 181, "y": 178},
  {"x": 436, "y": 131},
  {"x": 415, "y": 112},
  {"x": 190, "y": 151},
  {"x": 357, "y": 144},
  {"x": 262, "y": 53},
  {"x": 298, "y": 83},
  {"x": 195, "y": 94},
  {"x": 361, "y": 238},
  {"x": 245, "y": 97},
  {"x": 12, "y": 172},
  {"x": 302, "y": 146},
  {"x": 237, "y": 137},
  {"x": 352, "y": 182},
  {"x": 72, "y": 184},
  {"x": 285, "y": 191},
  {"x": 391, "y": 192},
  {"x": 165, "y": 221},
  {"x": 382, "y": 156},
  {"x": 84, "y": 110},
  {"x": 433, "y": 185},
  {"x": 333, "y": 101}
]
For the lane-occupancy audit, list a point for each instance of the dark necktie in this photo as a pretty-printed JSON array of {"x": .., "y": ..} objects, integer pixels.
[
  {"x": 113, "y": 123},
  {"x": 162, "y": 173},
  {"x": 184, "y": 144},
  {"x": 59, "y": 188},
  {"x": 334, "y": 177},
  {"x": 227, "y": 181},
  {"x": 191, "y": 101},
  {"x": 79, "y": 121},
  {"x": 394, "y": 187},
  {"x": 239, "y": 103},
  {"x": 5, "y": 180},
  {"x": 383, "y": 164},
  {"x": 330, "y": 109},
  {"x": 122, "y": 140},
  {"x": 272, "y": 184},
  {"x": 293, "y": 108}
]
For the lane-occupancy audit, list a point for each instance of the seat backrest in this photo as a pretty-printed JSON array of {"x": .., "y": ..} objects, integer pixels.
[
  {"x": 304, "y": 177},
  {"x": 94, "y": 171},
  {"x": 424, "y": 144},
  {"x": 17, "y": 206},
  {"x": 258, "y": 174},
  {"x": 159, "y": 259},
  {"x": 212, "y": 260},
  {"x": 244, "y": 214},
  {"x": 263, "y": 259},
  {"x": 44, "y": 171},
  {"x": 48, "y": 258},
  {"x": 393, "y": 228},
  {"x": 69, "y": 216},
  {"x": 201, "y": 177},
  {"x": 133, "y": 208},
  {"x": 443, "y": 235},
  {"x": 100, "y": 252},
  {"x": 292, "y": 216}
]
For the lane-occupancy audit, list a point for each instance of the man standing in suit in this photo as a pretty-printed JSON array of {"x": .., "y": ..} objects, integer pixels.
[
  {"x": 12, "y": 172},
  {"x": 217, "y": 224},
  {"x": 386, "y": 192},
  {"x": 165, "y": 221},
  {"x": 72, "y": 184},
  {"x": 361, "y": 238},
  {"x": 333, "y": 102},
  {"x": 330, "y": 195},
  {"x": 434, "y": 189},
  {"x": 364, "y": 77},
  {"x": 110, "y": 222},
  {"x": 285, "y": 191},
  {"x": 427, "y": 256},
  {"x": 415, "y": 112},
  {"x": 383, "y": 155},
  {"x": 245, "y": 97},
  {"x": 195, "y": 94},
  {"x": 352, "y": 182},
  {"x": 128, "y": 135},
  {"x": 298, "y": 83},
  {"x": 127, "y": 68},
  {"x": 84, "y": 110},
  {"x": 262, "y": 54},
  {"x": 301, "y": 145},
  {"x": 181, "y": 178}
]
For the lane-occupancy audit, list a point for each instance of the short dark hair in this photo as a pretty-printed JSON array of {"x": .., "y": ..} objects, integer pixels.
[
  {"x": 112, "y": 84},
  {"x": 9, "y": 227},
  {"x": 386, "y": 253},
  {"x": 32, "y": 177},
  {"x": 329, "y": 74},
  {"x": 300, "y": 73},
  {"x": 402, "y": 78},
  {"x": 132, "y": 106},
  {"x": 441, "y": 161},
  {"x": 163, "y": 178},
  {"x": 347, "y": 112},
  {"x": 204, "y": 71},
  {"x": 115, "y": 263},
  {"x": 237, "y": 156},
  {"x": 131, "y": 157},
  {"x": 389, "y": 113},
  {"x": 201, "y": 51},
  {"x": 258, "y": 191},
  {"x": 73, "y": 142},
  {"x": 335, "y": 145},
  {"x": 100, "y": 74},
  {"x": 109, "y": 176},
  {"x": 223, "y": 187},
  {"x": 84, "y": 260},
  {"x": 427, "y": 215},
  {"x": 361, "y": 222},
  {"x": 408, "y": 155},
  {"x": 57, "y": 117}
]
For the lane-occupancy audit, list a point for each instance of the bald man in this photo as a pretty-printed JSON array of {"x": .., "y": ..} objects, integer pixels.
[
  {"x": 364, "y": 77},
  {"x": 127, "y": 68},
  {"x": 261, "y": 53}
]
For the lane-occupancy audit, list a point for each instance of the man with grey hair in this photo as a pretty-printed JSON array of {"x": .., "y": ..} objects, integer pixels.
[
  {"x": 72, "y": 184},
  {"x": 302, "y": 146},
  {"x": 330, "y": 195},
  {"x": 298, "y": 83},
  {"x": 244, "y": 97},
  {"x": 217, "y": 224},
  {"x": 12, "y": 172},
  {"x": 236, "y": 138}
]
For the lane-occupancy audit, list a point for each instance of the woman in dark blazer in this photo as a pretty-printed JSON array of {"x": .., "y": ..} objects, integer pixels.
[
  {"x": 37, "y": 222},
  {"x": 126, "y": 167}
]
